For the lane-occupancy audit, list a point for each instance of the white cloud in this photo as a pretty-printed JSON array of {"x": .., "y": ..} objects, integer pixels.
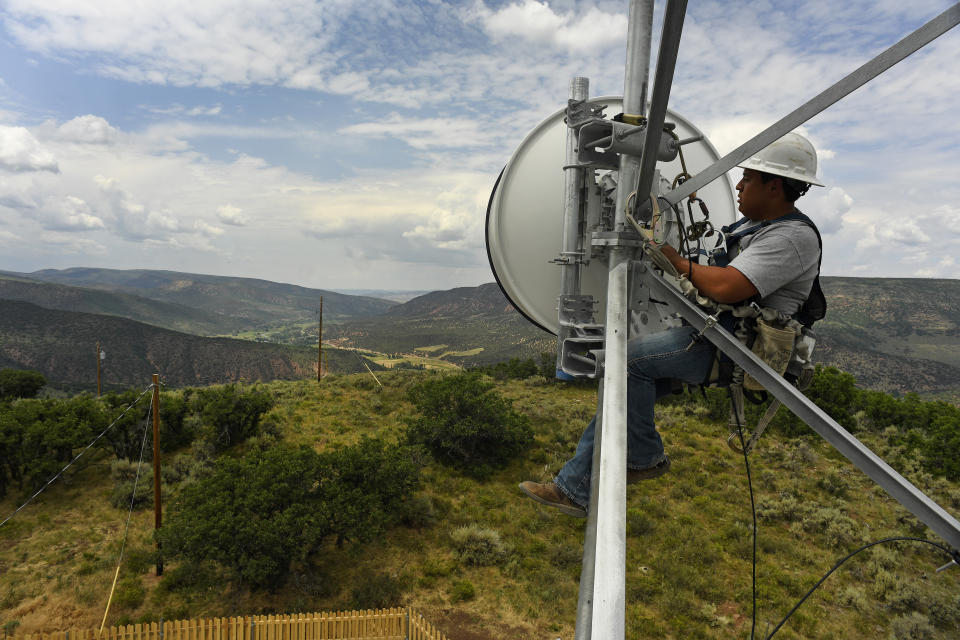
[
  {"x": 537, "y": 22},
  {"x": 827, "y": 206},
  {"x": 87, "y": 129},
  {"x": 68, "y": 214},
  {"x": 446, "y": 230},
  {"x": 131, "y": 219},
  {"x": 207, "y": 229},
  {"x": 424, "y": 133},
  {"x": 460, "y": 85},
  {"x": 21, "y": 151},
  {"x": 177, "y": 109},
  {"x": 229, "y": 214},
  {"x": 179, "y": 42},
  {"x": 205, "y": 111}
]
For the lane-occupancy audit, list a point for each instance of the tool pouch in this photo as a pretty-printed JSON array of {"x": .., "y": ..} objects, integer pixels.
[{"x": 772, "y": 345}]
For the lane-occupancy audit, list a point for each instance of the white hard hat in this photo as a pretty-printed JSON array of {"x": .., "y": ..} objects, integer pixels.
[{"x": 792, "y": 156}]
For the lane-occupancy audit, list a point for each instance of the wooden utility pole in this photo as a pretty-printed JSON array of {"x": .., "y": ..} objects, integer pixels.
[
  {"x": 99, "y": 358},
  {"x": 320, "y": 341},
  {"x": 156, "y": 466}
]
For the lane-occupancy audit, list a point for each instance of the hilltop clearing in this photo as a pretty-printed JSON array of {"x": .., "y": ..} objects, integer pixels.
[{"x": 479, "y": 559}]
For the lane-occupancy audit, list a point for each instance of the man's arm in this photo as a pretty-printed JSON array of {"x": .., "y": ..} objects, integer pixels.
[{"x": 723, "y": 284}]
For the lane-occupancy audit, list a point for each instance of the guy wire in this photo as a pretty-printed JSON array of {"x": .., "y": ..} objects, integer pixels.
[
  {"x": 51, "y": 480},
  {"x": 126, "y": 529}
]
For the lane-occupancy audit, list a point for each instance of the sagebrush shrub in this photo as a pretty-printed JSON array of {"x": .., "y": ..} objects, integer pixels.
[
  {"x": 478, "y": 546},
  {"x": 911, "y": 626},
  {"x": 854, "y": 598}
]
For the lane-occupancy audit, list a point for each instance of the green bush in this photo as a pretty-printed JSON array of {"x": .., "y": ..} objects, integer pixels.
[
  {"x": 252, "y": 515},
  {"x": 478, "y": 546},
  {"x": 418, "y": 513},
  {"x": 257, "y": 514},
  {"x": 15, "y": 383},
  {"x": 124, "y": 475},
  {"x": 129, "y": 593},
  {"x": 854, "y": 598},
  {"x": 125, "y": 439},
  {"x": 464, "y": 423},
  {"x": 512, "y": 369},
  {"x": 462, "y": 591},
  {"x": 364, "y": 487},
  {"x": 38, "y": 438},
  {"x": 229, "y": 414}
]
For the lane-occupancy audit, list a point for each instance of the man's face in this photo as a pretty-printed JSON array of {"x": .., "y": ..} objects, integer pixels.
[{"x": 755, "y": 196}]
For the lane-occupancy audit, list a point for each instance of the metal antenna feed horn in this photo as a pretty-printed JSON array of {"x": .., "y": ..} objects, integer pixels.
[{"x": 601, "y": 142}]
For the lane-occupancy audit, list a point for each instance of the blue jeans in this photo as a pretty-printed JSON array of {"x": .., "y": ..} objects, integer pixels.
[{"x": 651, "y": 362}]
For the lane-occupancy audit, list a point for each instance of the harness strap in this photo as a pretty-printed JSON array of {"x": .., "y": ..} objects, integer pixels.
[{"x": 815, "y": 306}]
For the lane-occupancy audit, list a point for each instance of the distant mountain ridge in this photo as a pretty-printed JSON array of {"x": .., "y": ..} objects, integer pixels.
[
  {"x": 892, "y": 334},
  {"x": 62, "y": 346},
  {"x": 218, "y": 304},
  {"x": 456, "y": 303},
  {"x": 169, "y": 315},
  {"x": 896, "y": 334}
]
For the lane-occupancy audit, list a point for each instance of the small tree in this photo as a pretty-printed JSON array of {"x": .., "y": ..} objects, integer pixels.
[
  {"x": 257, "y": 514},
  {"x": 20, "y": 384},
  {"x": 230, "y": 414},
  {"x": 464, "y": 423},
  {"x": 363, "y": 487},
  {"x": 253, "y": 515}
]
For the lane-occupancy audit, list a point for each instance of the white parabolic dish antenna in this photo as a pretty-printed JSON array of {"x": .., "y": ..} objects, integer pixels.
[{"x": 525, "y": 215}]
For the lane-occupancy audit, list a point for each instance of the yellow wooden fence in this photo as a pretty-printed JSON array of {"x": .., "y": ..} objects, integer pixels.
[{"x": 388, "y": 624}]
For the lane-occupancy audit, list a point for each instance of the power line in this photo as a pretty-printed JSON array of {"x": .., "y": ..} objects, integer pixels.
[{"x": 69, "y": 464}]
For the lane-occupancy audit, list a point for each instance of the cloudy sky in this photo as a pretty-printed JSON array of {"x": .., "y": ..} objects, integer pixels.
[{"x": 346, "y": 144}]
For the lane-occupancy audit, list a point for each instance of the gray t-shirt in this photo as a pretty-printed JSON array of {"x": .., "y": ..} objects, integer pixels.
[{"x": 781, "y": 262}]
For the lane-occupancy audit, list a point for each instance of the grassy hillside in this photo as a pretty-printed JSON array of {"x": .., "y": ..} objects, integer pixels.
[
  {"x": 895, "y": 334},
  {"x": 62, "y": 346},
  {"x": 688, "y": 543},
  {"x": 168, "y": 315}
]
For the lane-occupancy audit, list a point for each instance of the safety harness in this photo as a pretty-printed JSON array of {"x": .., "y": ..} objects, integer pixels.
[{"x": 785, "y": 343}]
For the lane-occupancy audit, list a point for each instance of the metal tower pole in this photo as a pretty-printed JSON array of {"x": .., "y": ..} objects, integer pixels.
[
  {"x": 571, "y": 253},
  {"x": 608, "y": 607},
  {"x": 572, "y": 178}
]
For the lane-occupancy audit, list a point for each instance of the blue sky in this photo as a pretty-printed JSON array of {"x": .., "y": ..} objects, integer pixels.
[{"x": 344, "y": 144}]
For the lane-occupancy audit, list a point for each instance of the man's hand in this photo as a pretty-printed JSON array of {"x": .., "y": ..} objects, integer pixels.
[{"x": 723, "y": 284}]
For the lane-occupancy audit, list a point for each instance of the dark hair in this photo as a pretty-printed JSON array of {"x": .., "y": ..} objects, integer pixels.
[{"x": 792, "y": 188}]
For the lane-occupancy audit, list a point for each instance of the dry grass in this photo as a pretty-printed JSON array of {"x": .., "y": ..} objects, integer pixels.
[{"x": 688, "y": 547}]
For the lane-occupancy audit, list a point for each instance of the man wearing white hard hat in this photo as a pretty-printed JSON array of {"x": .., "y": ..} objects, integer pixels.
[{"x": 772, "y": 258}]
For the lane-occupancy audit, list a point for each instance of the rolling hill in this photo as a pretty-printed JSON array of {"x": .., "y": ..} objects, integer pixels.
[
  {"x": 248, "y": 303},
  {"x": 895, "y": 335},
  {"x": 62, "y": 346},
  {"x": 169, "y": 315}
]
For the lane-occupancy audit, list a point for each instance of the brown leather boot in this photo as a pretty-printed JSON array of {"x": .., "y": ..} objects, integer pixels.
[
  {"x": 549, "y": 494},
  {"x": 657, "y": 470}
]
